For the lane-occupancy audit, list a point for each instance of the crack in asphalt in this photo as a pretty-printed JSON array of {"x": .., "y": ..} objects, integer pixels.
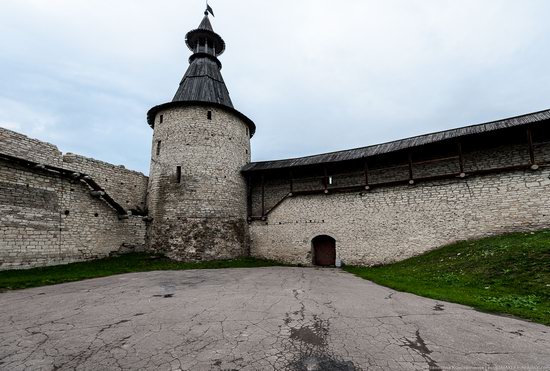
[{"x": 419, "y": 345}]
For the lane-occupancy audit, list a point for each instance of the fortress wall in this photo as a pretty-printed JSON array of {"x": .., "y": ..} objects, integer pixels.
[
  {"x": 394, "y": 223},
  {"x": 277, "y": 186},
  {"x": 47, "y": 219},
  {"x": 19, "y": 145},
  {"x": 127, "y": 187},
  {"x": 391, "y": 223},
  {"x": 500, "y": 156},
  {"x": 277, "y": 189},
  {"x": 542, "y": 152}
]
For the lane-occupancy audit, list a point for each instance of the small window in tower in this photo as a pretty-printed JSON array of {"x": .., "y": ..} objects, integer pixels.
[
  {"x": 246, "y": 131},
  {"x": 178, "y": 174},
  {"x": 161, "y": 119},
  {"x": 330, "y": 180},
  {"x": 158, "y": 147},
  {"x": 209, "y": 115}
]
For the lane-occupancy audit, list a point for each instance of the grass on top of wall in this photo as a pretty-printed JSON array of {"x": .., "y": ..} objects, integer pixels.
[
  {"x": 506, "y": 274},
  {"x": 127, "y": 263}
]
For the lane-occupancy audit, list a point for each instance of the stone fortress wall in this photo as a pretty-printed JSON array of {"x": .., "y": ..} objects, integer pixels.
[
  {"x": 394, "y": 223},
  {"x": 127, "y": 187},
  {"x": 48, "y": 213},
  {"x": 499, "y": 191},
  {"x": 417, "y": 199}
]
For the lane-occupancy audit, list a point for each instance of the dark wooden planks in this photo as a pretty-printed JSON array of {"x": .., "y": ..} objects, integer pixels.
[
  {"x": 394, "y": 146},
  {"x": 203, "y": 82}
]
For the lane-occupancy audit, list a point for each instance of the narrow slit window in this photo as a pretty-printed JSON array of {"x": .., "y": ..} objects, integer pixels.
[
  {"x": 209, "y": 115},
  {"x": 161, "y": 119},
  {"x": 246, "y": 131},
  {"x": 178, "y": 174},
  {"x": 330, "y": 180},
  {"x": 158, "y": 147}
]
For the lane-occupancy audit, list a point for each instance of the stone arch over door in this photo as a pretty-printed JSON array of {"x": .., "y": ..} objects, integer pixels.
[{"x": 324, "y": 251}]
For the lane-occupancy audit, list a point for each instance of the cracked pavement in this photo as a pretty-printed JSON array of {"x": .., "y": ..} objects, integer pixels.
[{"x": 273, "y": 318}]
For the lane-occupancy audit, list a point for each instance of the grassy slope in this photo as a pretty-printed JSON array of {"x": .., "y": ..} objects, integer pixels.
[
  {"x": 135, "y": 262},
  {"x": 507, "y": 274}
]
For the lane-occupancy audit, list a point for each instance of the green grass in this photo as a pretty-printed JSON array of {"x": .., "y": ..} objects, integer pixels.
[
  {"x": 506, "y": 274},
  {"x": 134, "y": 262}
]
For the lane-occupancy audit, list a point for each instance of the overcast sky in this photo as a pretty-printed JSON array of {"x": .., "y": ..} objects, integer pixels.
[{"x": 314, "y": 75}]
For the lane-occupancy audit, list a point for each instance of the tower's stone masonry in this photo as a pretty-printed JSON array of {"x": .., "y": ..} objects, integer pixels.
[
  {"x": 203, "y": 215},
  {"x": 197, "y": 196}
]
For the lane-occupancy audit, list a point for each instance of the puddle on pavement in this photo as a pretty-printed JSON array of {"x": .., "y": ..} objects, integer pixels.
[
  {"x": 163, "y": 296},
  {"x": 323, "y": 363}
]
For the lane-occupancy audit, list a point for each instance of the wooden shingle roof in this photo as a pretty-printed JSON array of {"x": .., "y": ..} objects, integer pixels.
[
  {"x": 378, "y": 149},
  {"x": 203, "y": 82}
]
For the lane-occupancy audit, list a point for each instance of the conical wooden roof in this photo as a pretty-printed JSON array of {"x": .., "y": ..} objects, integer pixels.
[{"x": 203, "y": 80}]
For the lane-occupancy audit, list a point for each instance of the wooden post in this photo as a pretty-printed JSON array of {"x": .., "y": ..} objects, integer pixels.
[
  {"x": 531, "y": 149},
  {"x": 249, "y": 196},
  {"x": 325, "y": 179},
  {"x": 263, "y": 195},
  {"x": 366, "y": 168},
  {"x": 461, "y": 160},
  {"x": 411, "y": 180},
  {"x": 291, "y": 179}
]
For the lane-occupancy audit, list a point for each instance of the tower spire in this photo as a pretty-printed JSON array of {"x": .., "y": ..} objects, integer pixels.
[{"x": 203, "y": 80}]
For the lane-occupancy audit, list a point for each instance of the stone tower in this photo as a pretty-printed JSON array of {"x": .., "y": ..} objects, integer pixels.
[{"x": 197, "y": 196}]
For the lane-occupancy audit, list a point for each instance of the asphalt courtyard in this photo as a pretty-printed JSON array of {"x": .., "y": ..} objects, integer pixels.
[{"x": 255, "y": 319}]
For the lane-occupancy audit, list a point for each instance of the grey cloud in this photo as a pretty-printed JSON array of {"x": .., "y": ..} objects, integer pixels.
[{"x": 315, "y": 76}]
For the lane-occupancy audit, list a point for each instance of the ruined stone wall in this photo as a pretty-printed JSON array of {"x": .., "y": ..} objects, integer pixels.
[
  {"x": 203, "y": 215},
  {"x": 127, "y": 187},
  {"x": 47, "y": 219},
  {"x": 391, "y": 223},
  {"x": 19, "y": 145}
]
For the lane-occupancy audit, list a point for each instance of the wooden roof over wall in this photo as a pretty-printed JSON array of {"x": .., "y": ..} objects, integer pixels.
[{"x": 378, "y": 149}]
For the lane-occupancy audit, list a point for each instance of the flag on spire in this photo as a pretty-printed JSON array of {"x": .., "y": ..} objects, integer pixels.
[{"x": 209, "y": 10}]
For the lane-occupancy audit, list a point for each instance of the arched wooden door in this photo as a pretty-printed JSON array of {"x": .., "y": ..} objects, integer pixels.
[{"x": 324, "y": 251}]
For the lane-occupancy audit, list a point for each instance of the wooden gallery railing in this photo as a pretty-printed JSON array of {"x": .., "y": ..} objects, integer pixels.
[{"x": 367, "y": 185}]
